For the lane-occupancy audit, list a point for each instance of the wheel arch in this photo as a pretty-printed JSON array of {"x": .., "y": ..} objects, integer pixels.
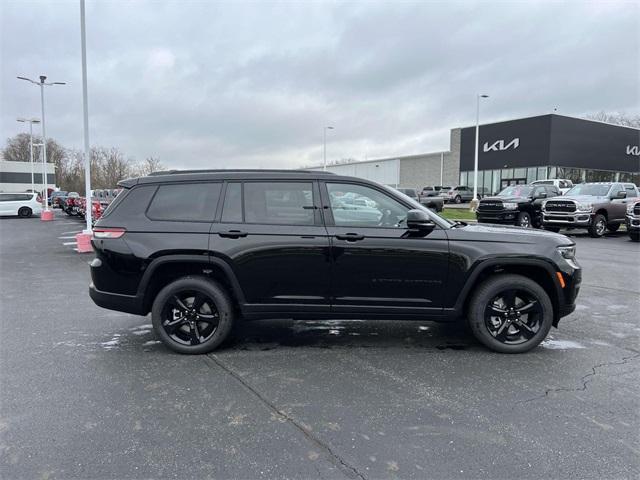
[
  {"x": 165, "y": 269},
  {"x": 538, "y": 270}
]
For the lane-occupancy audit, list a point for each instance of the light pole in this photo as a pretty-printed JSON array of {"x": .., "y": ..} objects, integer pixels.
[
  {"x": 85, "y": 112},
  {"x": 324, "y": 141},
  {"x": 31, "y": 121},
  {"x": 42, "y": 84},
  {"x": 475, "y": 163}
]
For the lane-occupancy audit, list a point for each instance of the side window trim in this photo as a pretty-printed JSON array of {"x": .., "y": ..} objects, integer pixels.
[{"x": 223, "y": 199}]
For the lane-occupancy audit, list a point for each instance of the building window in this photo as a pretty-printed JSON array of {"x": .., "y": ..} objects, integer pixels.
[{"x": 531, "y": 175}]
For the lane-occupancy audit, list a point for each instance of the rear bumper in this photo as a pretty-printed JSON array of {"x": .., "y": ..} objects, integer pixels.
[{"x": 115, "y": 301}]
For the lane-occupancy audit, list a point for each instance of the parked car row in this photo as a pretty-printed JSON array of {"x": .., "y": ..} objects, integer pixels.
[
  {"x": 595, "y": 207},
  {"x": 75, "y": 205}
]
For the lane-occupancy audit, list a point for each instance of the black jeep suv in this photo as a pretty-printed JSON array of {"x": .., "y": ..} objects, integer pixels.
[
  {"x": 201, "y": 250},
  {"x": 519, "y": 205}
]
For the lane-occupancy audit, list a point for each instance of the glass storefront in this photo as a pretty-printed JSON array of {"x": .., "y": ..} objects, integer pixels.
[{"x": 495, "y": 180}]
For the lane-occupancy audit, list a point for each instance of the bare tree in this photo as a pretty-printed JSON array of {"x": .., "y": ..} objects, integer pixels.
[
  {"x": 147, "y": 167},
  {"x": 616, "y": 118}
]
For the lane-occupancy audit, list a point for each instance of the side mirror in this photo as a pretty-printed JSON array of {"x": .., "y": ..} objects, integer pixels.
[
  {"x": 419, "y": 221},
  {"x": 621, "y": 194}
]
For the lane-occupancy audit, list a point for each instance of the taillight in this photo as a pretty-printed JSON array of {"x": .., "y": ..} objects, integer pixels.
[{"x": 108, "y": 232}]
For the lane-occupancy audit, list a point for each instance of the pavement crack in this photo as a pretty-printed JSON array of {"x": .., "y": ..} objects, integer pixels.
[
  {"x": 586, "y": 379},
  {"x": 348, "y": 469}
]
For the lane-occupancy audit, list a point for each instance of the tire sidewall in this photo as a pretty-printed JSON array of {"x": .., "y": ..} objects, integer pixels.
[
  {"x": 223, "y": 305},
  {"x": 593, "y": 228},
  {"x": 458, "y": 199},
  {"x": 492, "y": 287}
]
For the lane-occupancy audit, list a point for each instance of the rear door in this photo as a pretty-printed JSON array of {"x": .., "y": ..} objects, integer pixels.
[
  {"x": 377, "y": 266},
  {"x": 271, "y": 233}
]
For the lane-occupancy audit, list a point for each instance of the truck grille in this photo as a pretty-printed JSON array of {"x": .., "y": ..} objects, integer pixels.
[
  {"x": 560, "y": 206},
  {"x": 636, "y": 209},
  {"x": 490, "y": 206}
]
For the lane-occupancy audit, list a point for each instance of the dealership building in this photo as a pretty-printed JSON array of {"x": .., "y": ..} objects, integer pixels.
[
  {"x": 516, "y": 152},
  {"x": 16, "y": 176}
]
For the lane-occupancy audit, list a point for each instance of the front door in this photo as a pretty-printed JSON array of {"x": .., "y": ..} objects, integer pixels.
[
  {"x": 377, "y": 265},
  {"x": 272, "y": 235}
]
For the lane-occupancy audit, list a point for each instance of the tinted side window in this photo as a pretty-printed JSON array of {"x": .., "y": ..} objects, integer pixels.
[
  {"x": 23, "y": 196},
  {"x": 7, "y": 198},
  {"x": 185, "y": 202},
  {"x": 631, "y": 190},
  {"x": 232, "y": 208},
  {"x": 283, "y": 203},
  {"x": 357, "y": 205}
]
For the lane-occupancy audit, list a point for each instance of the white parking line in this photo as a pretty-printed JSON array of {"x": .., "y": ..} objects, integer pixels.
[
  {"x": 69, "y": 243},
  {"x": 67, "y": 238},
  {"x": 73, "y": 231}
]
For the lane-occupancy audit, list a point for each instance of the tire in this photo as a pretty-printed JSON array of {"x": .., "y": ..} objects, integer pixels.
[
  {"x": 634, "y": 236},
  {"x": 507, "y": 331},
  {"x": 194, "y": 334},
  {"x": 458, "y": 199},
  {"x": 523, "y": 220},
  {"x": 24, "y": 212},
  {"x": 613, "y": 227},
  {"x": 598, "y": 226},
  {"x": 552, "y": 229}
]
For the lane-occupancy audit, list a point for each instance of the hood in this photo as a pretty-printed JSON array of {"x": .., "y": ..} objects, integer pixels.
[
  {"x": 511, "y": 234},
  {"x": 582, "y": 198},
  {"x": 505, "y": 199}
]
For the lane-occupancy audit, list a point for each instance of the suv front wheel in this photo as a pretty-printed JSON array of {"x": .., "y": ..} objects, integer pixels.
[
  {"x": 192, "y": 315},
  {"x": 510, "y": 314}
]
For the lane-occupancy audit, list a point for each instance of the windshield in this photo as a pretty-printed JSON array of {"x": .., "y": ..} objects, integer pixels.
[
  {"x": 516, "y": 191},
  {"x": 589, "y": 189}
]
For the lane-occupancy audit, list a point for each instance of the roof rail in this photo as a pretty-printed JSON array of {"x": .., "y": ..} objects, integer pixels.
[{"x": 236, "y": 170}]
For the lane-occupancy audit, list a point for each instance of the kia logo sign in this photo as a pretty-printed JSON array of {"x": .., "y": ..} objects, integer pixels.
[
  {"x": 633, "y": 150},
  {"x": 500, "y": 145}
]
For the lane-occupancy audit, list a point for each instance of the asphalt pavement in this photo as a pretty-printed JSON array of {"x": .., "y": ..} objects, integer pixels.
[{"x": 88, "y": 393}]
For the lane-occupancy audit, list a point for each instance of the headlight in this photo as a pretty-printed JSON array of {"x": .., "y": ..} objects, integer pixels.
[
  {"x": 510, "y": 206},
  {"x": 568, "y": 251},
  {"x": 544, "y": 205},
  {"x": 584, "y": 207},
  {"x": 630, "y": 208}
]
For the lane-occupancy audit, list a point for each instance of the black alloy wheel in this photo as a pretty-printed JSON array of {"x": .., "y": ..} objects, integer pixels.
[
  {"x": 192, "y": 315},
  {"x": 513, "y": 316},
  {"x": 524, "y": 220},
  {"x": 24, "y": 212},
  {"x": 510, "y": 313}
]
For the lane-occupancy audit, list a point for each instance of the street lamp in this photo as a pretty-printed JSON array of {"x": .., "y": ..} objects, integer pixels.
[
  {"x": 30, "y": 121},
  {"x": 474, "y": 202},
  {"x": 42, "y": 84},
  {"x": 324, "y": 140}
]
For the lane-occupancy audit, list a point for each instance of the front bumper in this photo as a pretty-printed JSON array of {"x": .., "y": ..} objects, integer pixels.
[
  {"x": 633, "y": 223},
  {"x": 567, "y": 299},
  {"x": 507, "y": 217},
  {"x": 567, "y": 219}
]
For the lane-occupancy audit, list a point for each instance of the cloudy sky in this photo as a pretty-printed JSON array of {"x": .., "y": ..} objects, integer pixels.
[{"x": 252, "y": 84}]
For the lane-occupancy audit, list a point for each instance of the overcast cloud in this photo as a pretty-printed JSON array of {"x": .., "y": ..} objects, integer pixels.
[{"x": 204, "y": 84}]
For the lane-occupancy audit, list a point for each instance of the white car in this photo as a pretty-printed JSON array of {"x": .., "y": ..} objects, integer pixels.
[
  {"x": 21, "y": 204},
  {"x": 563, "y": 185}
]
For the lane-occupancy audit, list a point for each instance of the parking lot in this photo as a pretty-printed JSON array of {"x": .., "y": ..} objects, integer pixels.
[{"x": 90, "y": 393}]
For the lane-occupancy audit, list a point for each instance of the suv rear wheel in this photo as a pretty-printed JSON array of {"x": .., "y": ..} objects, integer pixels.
[
  {"x": 192, "y": 315},
  {"x": 510, "y": 314},
  {"x": 598, "y": 226}
]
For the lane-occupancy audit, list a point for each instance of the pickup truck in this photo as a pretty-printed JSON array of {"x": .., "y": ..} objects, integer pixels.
[
  {"x": 596, "y": 207},
  {"x": 633, "y": 219},
  {"x": 518, "y": 205}
]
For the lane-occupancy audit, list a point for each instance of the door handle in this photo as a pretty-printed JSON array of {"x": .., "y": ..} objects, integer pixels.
[
  {"x": 350, "y": 237},
  {"x": 232, "y": 234}
]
